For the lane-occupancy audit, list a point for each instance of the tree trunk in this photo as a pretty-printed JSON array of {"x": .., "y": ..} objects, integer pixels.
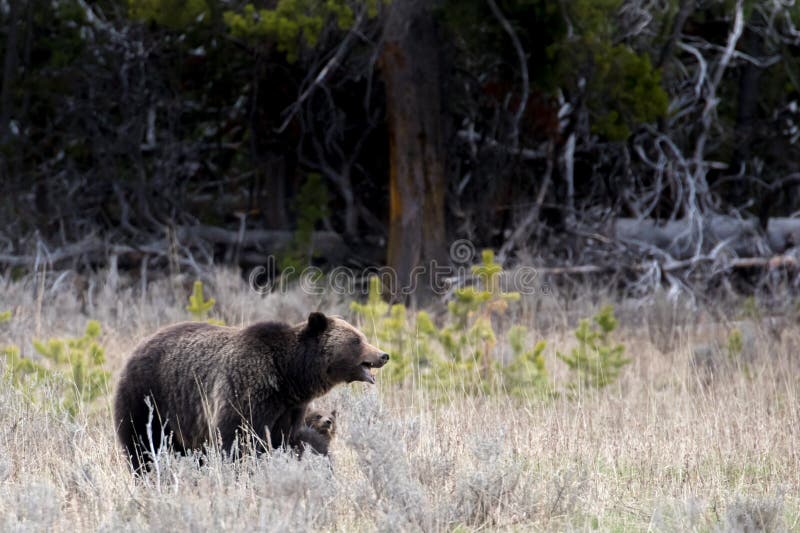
[{"x": 410, "y": 69}]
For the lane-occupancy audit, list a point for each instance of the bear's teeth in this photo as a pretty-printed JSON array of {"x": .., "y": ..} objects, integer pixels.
[{"x": 368, "y": 377}]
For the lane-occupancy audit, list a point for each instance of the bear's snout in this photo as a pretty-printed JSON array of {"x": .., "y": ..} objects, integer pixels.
[
  {"x": 371, "y": 358},
  {"x": 376, "y": 360}
]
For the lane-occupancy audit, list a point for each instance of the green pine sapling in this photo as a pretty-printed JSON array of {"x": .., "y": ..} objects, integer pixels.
[
  {"x": 199, "y": 307},
  {"x": 596, "y": 361}
]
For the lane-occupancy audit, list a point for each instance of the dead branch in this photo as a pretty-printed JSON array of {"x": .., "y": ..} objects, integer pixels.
[
  {"x": 330, "y": 66},
  {"x": 523, "y": 153}
]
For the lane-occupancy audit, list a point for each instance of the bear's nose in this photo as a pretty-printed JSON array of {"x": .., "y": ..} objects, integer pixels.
[{"x": 384, "y": 357}]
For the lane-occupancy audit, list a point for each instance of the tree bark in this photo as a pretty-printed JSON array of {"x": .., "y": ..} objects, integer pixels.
[{"x": 410, "y": 68}]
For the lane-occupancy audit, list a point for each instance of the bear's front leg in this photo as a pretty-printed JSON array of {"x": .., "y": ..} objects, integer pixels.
[
  {"x": 229, "y": 426},
  {"x": 286, "y": 429}
]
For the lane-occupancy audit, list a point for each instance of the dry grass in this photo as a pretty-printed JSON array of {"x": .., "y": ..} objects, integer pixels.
[{"x": 676, "y": 445}]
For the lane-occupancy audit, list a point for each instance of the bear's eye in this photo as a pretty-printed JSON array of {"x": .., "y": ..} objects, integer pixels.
[
  {"x": 355, "y": 342},
  {"x": 318, "y": 417}
]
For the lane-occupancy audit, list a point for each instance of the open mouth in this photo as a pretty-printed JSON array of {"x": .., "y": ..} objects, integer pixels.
[{"x": 366, "y": 372}]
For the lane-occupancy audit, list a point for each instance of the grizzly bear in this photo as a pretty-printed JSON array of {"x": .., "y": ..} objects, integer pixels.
[
  {"x": 319, "y": 430},
  {"x": 201, "y": 383}
]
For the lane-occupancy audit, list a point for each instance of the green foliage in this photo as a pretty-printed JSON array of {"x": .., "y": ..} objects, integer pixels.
[
  {"x": 172, "y": 14},
  {"x": 19, "y": 368},
  {"x": 373, "y": 309},
  {"x": 470, "y": 337},
  {"x": 16, "y": 365},
  {"x": 594, "y": 18},
  {"x": 395, "y": 332},
  {"x": 390, "y": 329},
  {"x": 622, "y": 87},
  {"x": 624, "y": 92},
  {"x": 735, "y": 343},
  {"x": 573, "y": 46},
  {"x": 293, "y": 23},
  {"x": 485, "y": 298},
  {"x": 596, "y": 361},
  {"x": 310, "y": 205},
  {"x": 199, "y": 307},
  {"x": 750, "y": 309},
  {"x": 526, "y": 373},
  {"x": 73, "y": 365},
  {"x": 461, "y": 353}
]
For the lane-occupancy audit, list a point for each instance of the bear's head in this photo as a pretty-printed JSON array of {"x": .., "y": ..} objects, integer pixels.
[
  {"x": 322, "y": 421},
  {"x": 347, "y": 356}
]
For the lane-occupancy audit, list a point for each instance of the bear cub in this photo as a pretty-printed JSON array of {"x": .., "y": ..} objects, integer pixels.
[
  {"x": 319, "y": 430},
  {"x": 198, "y": 383}
]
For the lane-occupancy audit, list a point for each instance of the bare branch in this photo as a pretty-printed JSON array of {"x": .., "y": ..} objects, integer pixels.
[
  {"x": 473, "y": 137},
  {"x": 329, "y": 67}
]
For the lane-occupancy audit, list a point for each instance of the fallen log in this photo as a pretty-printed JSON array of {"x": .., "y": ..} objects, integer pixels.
[
  {"x": 254, "y": 243},
  {"x": 681, "y": 238},
  {"x": 271, "y": 241},
  {"x": 260, "y": 244},
  {"x": 70, "y": 251},
  {"x": 771, "y": 263}
]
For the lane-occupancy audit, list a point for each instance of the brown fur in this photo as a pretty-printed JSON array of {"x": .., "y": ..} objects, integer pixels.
[
  {"x": 208, "y": 382},
  {"x": 319, "y": 430},
  {"x": 322, "y": 421}
]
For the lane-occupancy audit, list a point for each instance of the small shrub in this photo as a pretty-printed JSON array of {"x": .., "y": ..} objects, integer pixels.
[
  {"x": 5, "y": 316},
  {"x": 379, "y": 443},
  {"x": 391, "y": 329},
  {"x": 373, "y": 310},
  {"x": 77, "y": 365},
  {"x": 750, "y": 309},
  {"x": 596, "y": 361},
  {"x": 735, "y": 344},
  {"x": 18, "y": 368},
  {"x": 754, "y": 514},
  {"x": 526, "y": 373},
  {"x": 488, "y": 485},
  {"x": 199, "y": 307},
  {"x": 469, "y": 339},
  {"x": 73, "y": 367}
]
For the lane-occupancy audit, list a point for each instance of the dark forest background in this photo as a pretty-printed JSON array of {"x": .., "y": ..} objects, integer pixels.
[{"x": 653, "y": 139}]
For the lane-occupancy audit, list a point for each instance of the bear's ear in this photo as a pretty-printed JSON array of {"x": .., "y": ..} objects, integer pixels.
[
  {"x": 333, "y": 414},
  {"x": 317, "y": 322}
]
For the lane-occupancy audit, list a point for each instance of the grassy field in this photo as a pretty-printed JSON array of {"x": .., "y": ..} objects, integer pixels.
[{"x": 685, "y": 440}]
